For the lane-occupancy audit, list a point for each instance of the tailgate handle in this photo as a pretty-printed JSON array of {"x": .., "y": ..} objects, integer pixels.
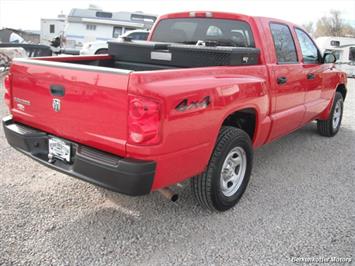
[{"x": 57, "y": 90}]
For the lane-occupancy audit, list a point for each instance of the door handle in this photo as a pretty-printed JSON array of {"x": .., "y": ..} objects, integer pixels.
[
  {"x": 57, "y": 90},
  {"x": 281, "y": 80},
  {"x": 310, "y": 76}
]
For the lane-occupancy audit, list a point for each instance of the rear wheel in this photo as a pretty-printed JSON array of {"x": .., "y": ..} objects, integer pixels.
[
  {"x": 224, "y": 181},
  {"x": 331, "y": 126}
]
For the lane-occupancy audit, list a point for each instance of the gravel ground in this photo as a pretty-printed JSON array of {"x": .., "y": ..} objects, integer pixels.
[{"x": 299, "y": 203}]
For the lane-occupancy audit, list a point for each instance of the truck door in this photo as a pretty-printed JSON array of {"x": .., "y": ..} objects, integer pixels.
[
  {"x": 287, "y": 90},
  {"x": 312, "y": 76}
]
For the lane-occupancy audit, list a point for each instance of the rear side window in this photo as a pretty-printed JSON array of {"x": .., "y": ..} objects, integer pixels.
[
  {"x": 309, "y": 50},
  {"x": 223, "y": 32},
  {"x": 284, "y": 44}
]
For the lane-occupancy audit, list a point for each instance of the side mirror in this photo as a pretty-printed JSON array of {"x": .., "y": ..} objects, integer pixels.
[{"x": 329, "y": 58}]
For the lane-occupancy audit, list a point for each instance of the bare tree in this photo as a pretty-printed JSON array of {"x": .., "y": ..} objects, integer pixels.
[
  {"x": 309, "y": 27},
  {"x": 333, "y": 25}
]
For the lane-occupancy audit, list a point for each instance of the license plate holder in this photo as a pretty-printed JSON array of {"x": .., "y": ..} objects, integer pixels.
[{"x": 59, "y": 149}]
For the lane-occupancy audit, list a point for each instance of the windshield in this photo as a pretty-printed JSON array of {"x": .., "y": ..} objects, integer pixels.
[{"x": 221, "y": 32}]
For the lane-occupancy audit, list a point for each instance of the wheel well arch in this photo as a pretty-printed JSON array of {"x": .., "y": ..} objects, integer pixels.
[
  {"x": 342, "y": 89},
  {"x": 245, "y": 119},
  {"x": 100, "y": 50}
]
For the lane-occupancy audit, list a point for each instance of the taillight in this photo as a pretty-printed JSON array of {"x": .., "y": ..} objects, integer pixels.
[
  {"x": 7, "y": 86},
  {"x": 143, "y": 120}
]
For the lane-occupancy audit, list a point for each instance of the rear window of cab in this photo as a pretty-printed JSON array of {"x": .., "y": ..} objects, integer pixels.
[{"x": 191, "y": 30}]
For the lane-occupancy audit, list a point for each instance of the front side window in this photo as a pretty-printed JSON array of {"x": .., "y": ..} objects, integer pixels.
[
  {"x": 222, "y": 32},
  {"x": 309, "y": 50},
  {"x": 284, "y": 44}
]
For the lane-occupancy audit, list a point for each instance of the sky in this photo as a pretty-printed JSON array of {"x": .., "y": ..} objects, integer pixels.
[{"x": 26, "y": 14}]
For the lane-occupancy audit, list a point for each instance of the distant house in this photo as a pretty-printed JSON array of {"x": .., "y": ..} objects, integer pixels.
[
  {"x": 87, "y": 25},
  {"x": 52, "y": 28}
]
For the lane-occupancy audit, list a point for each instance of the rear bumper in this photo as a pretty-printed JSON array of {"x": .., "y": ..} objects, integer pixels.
[{"x": 127, "y": 176}]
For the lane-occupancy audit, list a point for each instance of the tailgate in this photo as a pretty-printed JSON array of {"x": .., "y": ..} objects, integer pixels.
[{"x": 85, "y": 104}]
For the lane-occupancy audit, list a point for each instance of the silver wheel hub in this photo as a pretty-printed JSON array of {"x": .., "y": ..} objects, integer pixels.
[
  {"x": 233, "y": 171},
  {"x": 336, "y": 115}
]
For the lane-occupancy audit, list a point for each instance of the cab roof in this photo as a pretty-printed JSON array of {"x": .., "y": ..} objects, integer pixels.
[{"x": 222, "y": 15}]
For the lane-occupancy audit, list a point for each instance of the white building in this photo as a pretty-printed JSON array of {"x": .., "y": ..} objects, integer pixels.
[
  {"x": 88, "y": 25},
  {"x": 51, "y": 28}
]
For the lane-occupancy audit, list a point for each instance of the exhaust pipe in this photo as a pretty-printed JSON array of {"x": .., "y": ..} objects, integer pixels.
[{"x": 169, "y": 194}]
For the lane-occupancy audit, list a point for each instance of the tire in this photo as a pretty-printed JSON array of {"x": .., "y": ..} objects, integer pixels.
[
  {"x": 210, "y": 187},
  {"x": 331, "y": 126},
  {"x": 102, "y": 51}
]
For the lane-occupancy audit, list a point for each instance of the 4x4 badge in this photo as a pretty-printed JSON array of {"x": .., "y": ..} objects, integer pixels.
[
  {"x": 56, "y": 105},
  {"x": 185, "y": 105}
]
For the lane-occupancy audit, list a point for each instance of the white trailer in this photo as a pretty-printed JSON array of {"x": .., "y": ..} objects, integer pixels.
[
  {"x": 346, "y": 59},
  {"x": 51, "y": 28},
  {"x": 344, "y": 50}
]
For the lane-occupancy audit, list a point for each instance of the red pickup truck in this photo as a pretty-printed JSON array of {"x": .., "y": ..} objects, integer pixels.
[{"x": 192, "y": 102}]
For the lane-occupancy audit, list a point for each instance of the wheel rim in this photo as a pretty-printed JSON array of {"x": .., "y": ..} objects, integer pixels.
[
  {"x": 233, "y": 171},
  {"x": 336, "y": 115}
]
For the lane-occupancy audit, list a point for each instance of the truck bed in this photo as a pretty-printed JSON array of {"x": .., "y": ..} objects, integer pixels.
[
  {"x": 100, "y": 63},
  {"x": 96, "y": 93},
  {"x": 147, "y": 56}
]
